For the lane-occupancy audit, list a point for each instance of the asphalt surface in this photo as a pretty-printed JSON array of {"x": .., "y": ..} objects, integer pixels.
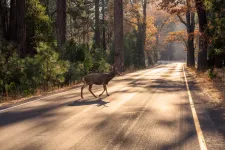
[{"x": 148, "y": 109}]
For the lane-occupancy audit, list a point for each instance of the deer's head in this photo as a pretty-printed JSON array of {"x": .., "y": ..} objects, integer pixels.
[{"x": 116, "y": 70}]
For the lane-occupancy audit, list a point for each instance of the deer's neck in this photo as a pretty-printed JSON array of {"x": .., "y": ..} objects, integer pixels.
[{"x": 111, "y": 75}]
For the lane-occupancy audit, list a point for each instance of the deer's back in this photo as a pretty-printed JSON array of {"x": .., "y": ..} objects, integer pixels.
[{"x": 96, "y": 78}]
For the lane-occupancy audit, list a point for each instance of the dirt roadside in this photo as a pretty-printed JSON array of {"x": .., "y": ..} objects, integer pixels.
[{"x": 214, "y": 89}]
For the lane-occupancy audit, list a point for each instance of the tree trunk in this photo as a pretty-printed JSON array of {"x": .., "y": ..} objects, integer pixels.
[
  {"x": 118, "y": 33},
  {"x": 103, "y": 24},
  {"x": 97, "y": 27},
  {"x": 61, "y": 22},
  {"x": 190, "y": 52},
  {"x": 21, "y": 31},
  {"x": 13, "y": 21},
  {"x": 1, "y": 22},
  {"x": 202, "y": 54},
  {"x": 190, "y": 16},
  {"x": 140, "y": 45},
  {"x": 155, "y": 50},
  {"x": 4, "y": 18},
  {"x": 143, "y": 35},
  {"x": 71, "y": 21}
]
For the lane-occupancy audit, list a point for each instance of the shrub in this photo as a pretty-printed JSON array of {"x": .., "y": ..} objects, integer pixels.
[{"x": 211, "y": 74}]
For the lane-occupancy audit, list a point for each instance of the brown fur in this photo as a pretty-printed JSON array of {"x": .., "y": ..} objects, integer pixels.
[{"x": 98, "y": 79}]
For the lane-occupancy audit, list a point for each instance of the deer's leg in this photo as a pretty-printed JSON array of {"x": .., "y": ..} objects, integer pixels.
[
  {"x": 103, "y": 90},
  {"x": 106, "y": 90},
  {"x": 90, "y": 86},
  {"x": 81, "y": 94}
]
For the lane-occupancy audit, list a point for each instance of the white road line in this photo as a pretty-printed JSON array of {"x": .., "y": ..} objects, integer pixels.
[{"x": 201, "y": 139}]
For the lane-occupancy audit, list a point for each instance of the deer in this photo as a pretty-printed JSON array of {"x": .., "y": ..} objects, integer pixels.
[{"x": 99, "y": 79}]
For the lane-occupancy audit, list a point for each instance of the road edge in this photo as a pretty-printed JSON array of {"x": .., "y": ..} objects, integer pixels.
[{"x": 199, "y": 132}]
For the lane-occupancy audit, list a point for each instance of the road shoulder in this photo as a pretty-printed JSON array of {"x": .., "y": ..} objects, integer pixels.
[
  {"x": 15, "y": 103},
  {"x": 211, "y": 120}
]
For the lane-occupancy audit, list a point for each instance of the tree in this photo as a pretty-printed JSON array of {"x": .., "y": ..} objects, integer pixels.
[
  {"x": 21, "y": 30},
  {"x": 215, "y": 32},
  {"x": 118, "y": 33},
  {"x": 141, "y": 20},
  {"x": 164, "y": 24},
  {"x": 28, "y": 53},
  {"x": 136, "y": 14},
  {"x": 190, "y": 24},
  {"x": 143, "y": 33},
  {"x": 139, "y": 28},
  {"x": 13, "y": 21},
  {"x": 178, "y": 36},
  {"x": 181, "y": 9},
  {"x": 103, "y": 25},
  {"x": 1, "y": 21},
  {"x": 199, "y": 6},
  {"x": 4, "y": 18},
  {"x": 202, "y": 54},
  {"x": 97, "y": 25},
  {"x": 61, "y": 22},
  {"x": 150, "y": 40}
]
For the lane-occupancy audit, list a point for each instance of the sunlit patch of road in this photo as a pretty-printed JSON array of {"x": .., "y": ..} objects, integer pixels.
[{"x": 147, "y": 109}]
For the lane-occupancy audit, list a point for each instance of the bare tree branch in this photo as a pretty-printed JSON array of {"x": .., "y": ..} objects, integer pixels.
[{"x": 182, "y": 20}]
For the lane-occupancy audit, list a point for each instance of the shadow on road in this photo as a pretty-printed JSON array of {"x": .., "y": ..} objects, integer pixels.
[
  {"x": 113, "y": 122},
  {"x": 98, "y": 102}
]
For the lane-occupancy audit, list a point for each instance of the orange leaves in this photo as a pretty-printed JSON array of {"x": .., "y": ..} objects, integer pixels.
[
  {"x": 177, "y": 36},
  {"x": 134, "y": 20},
  {"x": 180, "y": 36},
  {"x": 150, "y": 27},
  {"x": 151, "y": 31}
]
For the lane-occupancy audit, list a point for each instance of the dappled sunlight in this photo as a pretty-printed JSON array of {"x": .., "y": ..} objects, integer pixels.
[
  {"x": 166, "y": 107},
  {"x": 112, "y": 74},
  {"x": 148, "y": 109}
]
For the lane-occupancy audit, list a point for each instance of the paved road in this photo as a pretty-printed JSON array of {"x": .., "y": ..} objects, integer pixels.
[{"x": 148, "y": 109}]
